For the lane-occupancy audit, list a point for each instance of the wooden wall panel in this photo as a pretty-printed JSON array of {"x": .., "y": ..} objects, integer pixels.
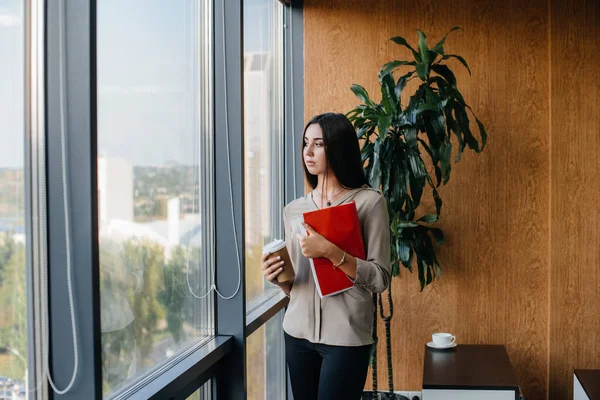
[
  {"x": 575, "y": 230},
  {"x": 496, "y": 210}
]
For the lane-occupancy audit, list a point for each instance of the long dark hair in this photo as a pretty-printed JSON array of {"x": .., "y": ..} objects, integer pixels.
[{"x": 341, "y": 150}]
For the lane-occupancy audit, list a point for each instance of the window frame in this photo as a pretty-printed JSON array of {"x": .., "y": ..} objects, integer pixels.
[
  {"x": 223, "y": 357},
  {"x": 34, "y": 174},
  {"x": 80, "y": 117}
]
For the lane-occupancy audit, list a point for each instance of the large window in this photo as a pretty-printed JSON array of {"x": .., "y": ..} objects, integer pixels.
[
  {"x": 154, "y": 182},
  {"x": 116, "y": 216},
  {"x": 13, "y": 294},
  {"x": 263, "y": 138}
]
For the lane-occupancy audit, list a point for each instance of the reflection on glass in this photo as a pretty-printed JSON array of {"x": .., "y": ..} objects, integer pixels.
[
  {"x": 263, "y": 137},
  {"x": 13, "y": 300},
  {"x": 152, "y": 185},
  {"x": 265, "y": 361}
]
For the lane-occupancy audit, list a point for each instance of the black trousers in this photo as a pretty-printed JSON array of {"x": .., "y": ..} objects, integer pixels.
[{"x": 323, "y": 372}]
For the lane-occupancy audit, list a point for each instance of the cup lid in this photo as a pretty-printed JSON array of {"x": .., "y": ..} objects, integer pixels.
[{"x": 274, "y": 246}]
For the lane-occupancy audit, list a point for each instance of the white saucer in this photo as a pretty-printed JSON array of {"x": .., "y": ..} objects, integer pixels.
[{"x": 435, "y": 346}]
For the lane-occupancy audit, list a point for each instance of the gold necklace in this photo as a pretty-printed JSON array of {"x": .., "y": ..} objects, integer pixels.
[{"x": 328, "y": 202}]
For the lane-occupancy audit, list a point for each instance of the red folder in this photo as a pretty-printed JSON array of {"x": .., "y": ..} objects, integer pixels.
[{"x": 339, "y": 225}]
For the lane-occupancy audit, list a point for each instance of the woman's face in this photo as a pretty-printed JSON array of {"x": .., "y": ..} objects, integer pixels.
[{"x": 314, "y": 150}]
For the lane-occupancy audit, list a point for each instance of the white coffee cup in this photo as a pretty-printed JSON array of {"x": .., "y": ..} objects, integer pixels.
[{"x": 443, "y": 339}]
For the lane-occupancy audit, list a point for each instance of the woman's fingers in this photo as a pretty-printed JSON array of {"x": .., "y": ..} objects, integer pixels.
[
  {"x": 269, "y": 262},
  {"x": 265, "y": 256},
  {"x": 271, "y": 266},
  {"x": 272, "y": 276},
  {"x": 274, "y": 267},
  {"x": 273, "y": 270}
]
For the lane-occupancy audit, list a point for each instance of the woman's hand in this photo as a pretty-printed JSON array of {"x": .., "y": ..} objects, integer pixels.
[
  {"x": 272, "y": 267},
  {"x": 315, "y": 245}
]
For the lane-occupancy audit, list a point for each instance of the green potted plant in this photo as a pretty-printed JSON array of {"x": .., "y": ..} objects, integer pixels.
[{"x": 395, "y": 138}]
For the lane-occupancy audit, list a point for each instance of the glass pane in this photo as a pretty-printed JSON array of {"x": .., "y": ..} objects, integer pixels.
[
  {"x": 204, "y": 393},
  {"x": 265, "y": 361},
  {"x": 263, "y": 137},
  {"x": 13, "y": 295},
  {"x": 154, "y": 188}
]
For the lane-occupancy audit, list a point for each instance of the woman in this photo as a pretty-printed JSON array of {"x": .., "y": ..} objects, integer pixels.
[{"x": 328, "y": 341}]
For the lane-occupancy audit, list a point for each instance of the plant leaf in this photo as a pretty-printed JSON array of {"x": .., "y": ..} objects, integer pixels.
[
  {"x": 375, "y": 176},
  {"x": 407, "y": 224},
  {"x": 394, "y": 223},
  {"x": 417, "y": 165},
  {"x": 438, "y": 201},
  {"x": 403, "y": 249},
  {"x": 438, "y": 235},
  {"x": 402, "y": 83},
  {"x": 446, "y": 166},
  {"x": 439, "y": 47},
  {"x": 483, "y": 133},
  {"x": 463, "y": 121},
  {"x": 362, "y": 94},
  {"x": 433, "y": 156},
  {"x": 422, "y": 70},
  {"x": 428, "y": 218},
  {"x": 383, "y": 126},
  {"x": 402, "y": 42},
  {"x": 367, "y": 151},
  {"x": 445, "y": 72},
  {"x": 459, "y": 58},
  {"x": 429, "y": 274},
  {"x": 386, "y": 163},
  {"x": 364, "y": 131},
  {"x": 481, "y": 129},
  {"x": 388, "y": 95},
  {"x": 432, "y": 55},
  {"x": 423, "y": 49},
  {"x": 410, "y": 135},
  {"x": 387, "y": 68},
  {"x": 416, "y": 192},
  {"x": 399, "y": 190},
  {"x": 408, "y": 263}
]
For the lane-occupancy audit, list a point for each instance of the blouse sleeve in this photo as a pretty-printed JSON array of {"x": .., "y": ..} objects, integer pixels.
[{"x": 374, "y": 273}]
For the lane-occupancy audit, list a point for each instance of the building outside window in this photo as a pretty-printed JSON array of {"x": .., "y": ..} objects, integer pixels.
[{"x": 154, "y": 191}]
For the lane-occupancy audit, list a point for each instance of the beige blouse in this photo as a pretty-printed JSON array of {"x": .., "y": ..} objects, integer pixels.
[{"x": 344, "y": 319}]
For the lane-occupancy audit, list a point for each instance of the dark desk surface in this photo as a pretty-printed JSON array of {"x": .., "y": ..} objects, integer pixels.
[
  {"x": 469, "y": 367},
  {"x": 590, "y": 380}
]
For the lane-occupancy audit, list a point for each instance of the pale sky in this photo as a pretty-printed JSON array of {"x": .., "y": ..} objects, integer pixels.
[
  {"x": 145, "y": 76},
  {"x": 11, "y": 84}
]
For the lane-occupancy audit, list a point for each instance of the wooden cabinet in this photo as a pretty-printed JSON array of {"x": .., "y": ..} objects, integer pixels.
[{"x": 469, "y": 372}]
